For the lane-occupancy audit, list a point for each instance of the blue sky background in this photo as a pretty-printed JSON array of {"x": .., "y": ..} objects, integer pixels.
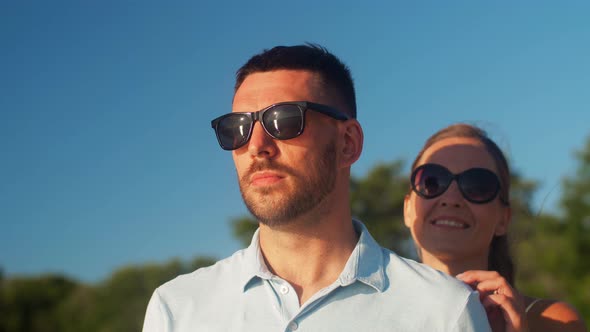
[{"x": 107, "y": 157}]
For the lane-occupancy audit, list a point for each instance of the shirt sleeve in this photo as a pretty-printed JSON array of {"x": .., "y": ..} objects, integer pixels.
[
  {"x": 473, "y": 317},
  {"x": 157, "y": 318}
]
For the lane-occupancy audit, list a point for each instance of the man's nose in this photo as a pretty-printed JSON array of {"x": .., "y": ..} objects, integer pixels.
[{"x": 261, "y": 144}]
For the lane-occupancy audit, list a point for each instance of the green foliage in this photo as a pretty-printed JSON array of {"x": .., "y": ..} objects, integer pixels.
[
  {"x": 377, "y": 199},
  {"x": 30, "y": 304},
  {"x": 552, "y": 252},
  {"x": 243, "y": 229},
  {"x": 126, "y": 293},
  {"x": 199, "y": 262},
  {"x": 55, "y": 303},
  {"x": 573, "y": 271},
  {"x": 576, "y": 205}
]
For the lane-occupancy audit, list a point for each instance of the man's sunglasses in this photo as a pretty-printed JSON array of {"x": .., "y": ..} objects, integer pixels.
[
  {"x": 280, "y": 121},
  {"x": 477, "y": 185}
]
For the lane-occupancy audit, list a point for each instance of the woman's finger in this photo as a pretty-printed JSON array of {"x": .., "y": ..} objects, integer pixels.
[
  {"x": 486, "y": 282},
  {"x": 511, "y": 308},
  {"x": 498, "y": 295},
  {"x": 495, "y": 286}
]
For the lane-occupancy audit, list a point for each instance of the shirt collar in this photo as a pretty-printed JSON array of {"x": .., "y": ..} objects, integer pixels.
[
  {"x": 365, "y": 264},
  {"x": 254, "y": 265}
]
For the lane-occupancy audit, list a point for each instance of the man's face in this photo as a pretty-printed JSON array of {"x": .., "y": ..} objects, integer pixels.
[{"x": 280, "y": 180}]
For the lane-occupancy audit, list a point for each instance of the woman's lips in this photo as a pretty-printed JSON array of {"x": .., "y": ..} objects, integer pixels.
[{"x": 450, "y": 223}]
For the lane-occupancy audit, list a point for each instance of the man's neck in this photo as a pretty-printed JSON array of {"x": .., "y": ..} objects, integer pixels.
[{"x": 309, "y": 254}]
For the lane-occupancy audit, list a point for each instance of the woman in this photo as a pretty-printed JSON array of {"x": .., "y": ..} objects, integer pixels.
[{"x": 458, "y": 212}]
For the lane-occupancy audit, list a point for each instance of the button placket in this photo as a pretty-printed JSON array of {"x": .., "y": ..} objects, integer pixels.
[{"x": 288, "y": 301}]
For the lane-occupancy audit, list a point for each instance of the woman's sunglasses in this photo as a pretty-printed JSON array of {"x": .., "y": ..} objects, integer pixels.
[
  {"x": 281, "y": 121},
  {"x": 477, "y": 185}
]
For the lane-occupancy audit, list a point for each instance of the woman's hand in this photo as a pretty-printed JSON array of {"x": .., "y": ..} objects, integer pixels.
[{"x": 501, "y": 301}]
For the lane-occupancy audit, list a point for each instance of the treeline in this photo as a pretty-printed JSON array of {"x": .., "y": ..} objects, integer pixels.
[
  {"x": 551, "y": 254},
  {"x": 53, "y": 303}
]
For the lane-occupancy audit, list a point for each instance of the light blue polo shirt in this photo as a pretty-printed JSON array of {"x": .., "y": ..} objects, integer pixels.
[{"x": 376, "y": 291}]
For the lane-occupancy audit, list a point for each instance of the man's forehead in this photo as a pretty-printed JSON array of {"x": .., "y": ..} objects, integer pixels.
[
  {"x": 279, "y": 78},
  {"x": 266, "y": 88}
]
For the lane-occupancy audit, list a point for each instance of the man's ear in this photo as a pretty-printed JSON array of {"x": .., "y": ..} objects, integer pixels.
[
  {"x": 409, "y": 215},
  {"x": 506, "y": 219},
  {"x": 353, "y": 142}
]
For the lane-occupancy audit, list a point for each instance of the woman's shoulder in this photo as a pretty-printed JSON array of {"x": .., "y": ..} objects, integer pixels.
[{"x": 552, "y": 315}]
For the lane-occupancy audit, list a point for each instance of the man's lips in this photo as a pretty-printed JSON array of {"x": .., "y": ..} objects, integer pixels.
[
  {"x": 449, "y": 222},
  {"x": 265, "y": 178}
]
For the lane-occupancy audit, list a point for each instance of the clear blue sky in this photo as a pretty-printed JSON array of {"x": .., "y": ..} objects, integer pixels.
[{"x": 107, "y": 156}]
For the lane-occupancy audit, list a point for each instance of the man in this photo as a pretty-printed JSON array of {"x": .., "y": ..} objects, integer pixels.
[{"x": 293, "y": 134}]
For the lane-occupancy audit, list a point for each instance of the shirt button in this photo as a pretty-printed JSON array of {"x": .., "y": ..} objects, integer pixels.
[
  {"x": 293, "y": 326},
  {"x": 284, "y": 289}
]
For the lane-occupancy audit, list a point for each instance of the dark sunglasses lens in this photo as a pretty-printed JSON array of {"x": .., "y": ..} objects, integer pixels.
[
  {"x": 233, "y": 131},
  {"x": 479, "y": 185},
  {"x": 283, "y": 121},
  {"x": 431, "y": 180}
]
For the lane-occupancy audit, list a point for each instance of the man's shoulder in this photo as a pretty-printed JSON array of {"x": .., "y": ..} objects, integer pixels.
[
  {"x": 446, "y": 299},
  {"x": 226, "y": 271},
  {"x": 410, "y": 273}
]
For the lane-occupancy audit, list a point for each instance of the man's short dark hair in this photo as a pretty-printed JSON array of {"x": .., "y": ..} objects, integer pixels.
[{"x": 311, "y": 57}]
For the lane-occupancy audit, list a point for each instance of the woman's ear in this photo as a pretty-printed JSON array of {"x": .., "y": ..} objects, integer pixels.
[
  {"x": 353, "y": 142},
  {"x": 506, "y": 219}
]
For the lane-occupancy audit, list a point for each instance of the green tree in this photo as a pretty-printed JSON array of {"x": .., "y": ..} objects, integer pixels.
[
  {"x": 118, "y": 304},
  {"x": 574, "y": 268},
  {"x": 29, "y": 304},
  {"x": 523, "y": 228},
  {"x": 552, "y": 251},
  {"x": 55, "y": 303},
  {"x": 243, "y": 228},
  {"x": 120, "y": 301},
  {"x": 576, "y": 206},
  {"x": 377, "y": 199}
]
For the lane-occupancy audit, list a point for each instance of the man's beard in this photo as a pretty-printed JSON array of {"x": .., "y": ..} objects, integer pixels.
[{"x": 279, "y": 206}]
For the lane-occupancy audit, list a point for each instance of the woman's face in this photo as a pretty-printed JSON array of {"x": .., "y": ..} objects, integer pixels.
[{"x": 449, "y": 226}]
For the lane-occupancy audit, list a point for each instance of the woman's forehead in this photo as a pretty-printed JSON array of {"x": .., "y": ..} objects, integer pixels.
[{"x": 458, "y": 154}]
